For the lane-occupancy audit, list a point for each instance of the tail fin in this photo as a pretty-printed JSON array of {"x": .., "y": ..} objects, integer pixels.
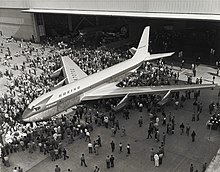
[
  {"x": 144, "y": 39},
  {"x": 142, "y": 49}
]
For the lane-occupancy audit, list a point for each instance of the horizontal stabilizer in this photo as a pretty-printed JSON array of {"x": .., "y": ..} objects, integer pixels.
[
  {"x": 133, "y": 50},
  {"x": 158, "y": 56}
]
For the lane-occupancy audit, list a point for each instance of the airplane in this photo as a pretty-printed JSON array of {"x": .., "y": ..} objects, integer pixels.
[{"x": 81, "y": 87}]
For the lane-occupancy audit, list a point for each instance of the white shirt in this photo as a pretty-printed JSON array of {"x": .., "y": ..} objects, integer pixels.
[
  {"x": 87, "y": 133},
  {"x": 156, "y": 157},
  {"x": 89, "y": 145}
]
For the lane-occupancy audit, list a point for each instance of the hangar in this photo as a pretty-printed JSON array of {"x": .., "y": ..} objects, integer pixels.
[{"x": 195, "y": 22}]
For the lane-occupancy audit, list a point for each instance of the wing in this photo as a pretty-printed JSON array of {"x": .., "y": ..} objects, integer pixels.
[
  {"x": 110, "y": 90},
  {"x": 71, "y": 70}
]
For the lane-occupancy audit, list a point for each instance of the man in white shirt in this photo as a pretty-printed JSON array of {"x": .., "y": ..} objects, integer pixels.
[
  {"x": 156, "y": 160},
  {"x": 90, "y": 147}
]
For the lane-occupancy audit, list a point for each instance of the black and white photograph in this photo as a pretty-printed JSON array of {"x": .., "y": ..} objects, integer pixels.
[{"x": 109, "y": 86}]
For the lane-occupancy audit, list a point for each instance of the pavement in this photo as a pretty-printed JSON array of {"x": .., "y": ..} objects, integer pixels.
[{"x": 180, "y": 151}]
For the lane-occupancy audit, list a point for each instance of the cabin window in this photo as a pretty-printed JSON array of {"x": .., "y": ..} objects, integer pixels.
[
  {"x": 74, "y": 88},
  {"x": 78, "y": 87},
  {"x": 60, "y": 95},
  {"x": 68, "y": 92},
  {"x": 64, "y": 93}
]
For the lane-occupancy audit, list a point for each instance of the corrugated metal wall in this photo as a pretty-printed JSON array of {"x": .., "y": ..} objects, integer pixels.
[
  {"x": 15, "y": 23},
  {"x": 171, "y": 6}
]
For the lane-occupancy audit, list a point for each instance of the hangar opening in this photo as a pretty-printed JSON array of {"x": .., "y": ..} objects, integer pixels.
[{"x": 195, "y": 38}]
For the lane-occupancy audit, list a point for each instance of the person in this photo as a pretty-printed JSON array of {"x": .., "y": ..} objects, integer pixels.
[
  {"x": 108, "y": 161},
  {"x": 96, "y": 149},
  {"x": 106, "y": 121},
  {"x": 112, "y": 159},
  {"x": 200, "y": 80},
  {"x": 140, "y": 106},
  {"x": 52, "y": 155},
  {"x": 15, "y": 169},
  {"x": 113, "y": 129},
  {"x": 65, "y": 154},
  {"x": 90, "y": 147},
  {"x": 191, "y": 168},
  {"x": 157, "y": 136},
  {"x": 83, "y": 161},
  {"x": 20, "y": 169},
  {"x": 128, "y": 149},
  {"x": 193, "y": 116},
  {"x": 120, "y": 147},
  {"x": 193, "y": 136},
  {"x": 126, "y": 113},
  {"x": 194, "y": 72},
  {"x": 152, "y": 154},
  {"x": 182, "y": 64},
  {"x": 176, "y": 104},
  {"x": 56, "y": 153},
  {"x": 140, "y": 121},
  {"x": 6, "y": 160},
  {"x": 182, "y": 128},
  {"x": 123, "y": 132},
  {"x": 117, "y": 125},
  {"x": 187, "y": 129},
  {"x": 213, "y": 79},
  {"x": 149, "y": 131},
  {"x": 96, "y": 169},
  {"x": 99, "y": 141},
  {"x": 87, "y": 136},
  {"x": 57, "y": 169},
  {"x": 156, "y": 160},
  {"x": 112, "y": 146},
  {"x": 204, "y": 166},
  {"x": 164, "y": 119},
  {"x": 69, "y": 170},
  {"x": 160, "y": 158}
]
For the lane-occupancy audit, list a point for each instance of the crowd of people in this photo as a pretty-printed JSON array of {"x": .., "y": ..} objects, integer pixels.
[
  {"x": 29, "y": 84},
  {"x": 50, "y": 137}
]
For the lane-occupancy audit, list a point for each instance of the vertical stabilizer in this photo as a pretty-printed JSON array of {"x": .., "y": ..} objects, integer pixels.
[
  {"x": 142, "y": 50},
  {"x": 144, "y": 39}
]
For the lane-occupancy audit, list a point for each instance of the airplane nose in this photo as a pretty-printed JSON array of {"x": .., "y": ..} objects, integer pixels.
[{"x": 26, "y": 114}]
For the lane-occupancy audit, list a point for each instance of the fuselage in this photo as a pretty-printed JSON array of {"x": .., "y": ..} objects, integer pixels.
[{"x": 62, "y": 98}]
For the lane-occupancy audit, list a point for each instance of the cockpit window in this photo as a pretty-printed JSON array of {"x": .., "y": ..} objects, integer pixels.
[{"x": 37, "y": 108}]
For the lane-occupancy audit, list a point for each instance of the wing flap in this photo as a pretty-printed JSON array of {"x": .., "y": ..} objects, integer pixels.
[
  {"x": 71, "y": 70},
  {"x": 114, "y": 91}
]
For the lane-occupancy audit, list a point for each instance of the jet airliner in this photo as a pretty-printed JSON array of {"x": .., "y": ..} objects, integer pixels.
[{"x": 102, "y": 84}]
